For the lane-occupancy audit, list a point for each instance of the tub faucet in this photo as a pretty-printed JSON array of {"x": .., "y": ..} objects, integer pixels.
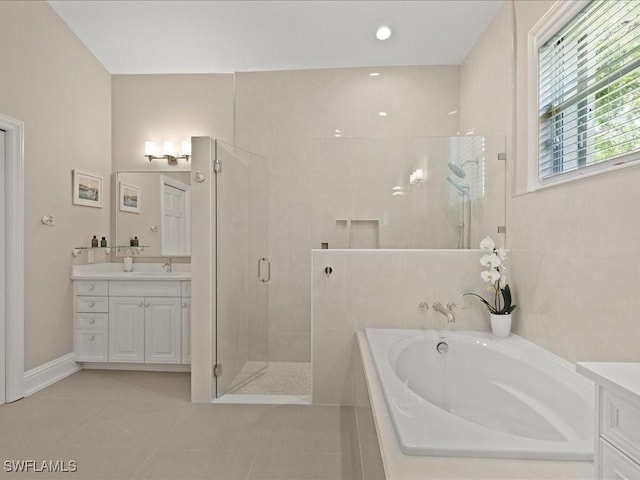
[
  {"x": 166, "y": 266},
  {"x": 447, "y": 312}
]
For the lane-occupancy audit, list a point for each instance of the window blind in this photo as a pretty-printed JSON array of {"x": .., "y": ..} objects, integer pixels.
[{"x": 589, "y": 89}]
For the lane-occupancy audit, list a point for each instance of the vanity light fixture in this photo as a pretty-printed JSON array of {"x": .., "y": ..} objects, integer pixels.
[{"x": 169, "y": 151}]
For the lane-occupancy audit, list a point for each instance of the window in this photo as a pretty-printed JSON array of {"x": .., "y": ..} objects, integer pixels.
[{"x": 588, "y": 89}]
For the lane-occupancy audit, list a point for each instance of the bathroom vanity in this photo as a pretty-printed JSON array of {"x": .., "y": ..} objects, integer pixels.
[
  {"x": 617, "y": 445},
  {"x": 139, "y": 317}
]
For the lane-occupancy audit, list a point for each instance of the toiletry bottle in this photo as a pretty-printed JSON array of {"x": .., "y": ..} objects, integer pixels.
[
  {"x": 131, "y": 242},
  {"x": 136, "y": 242},
  {"x": 103, "y": 242},
  {"x": 94, "y": 241}
]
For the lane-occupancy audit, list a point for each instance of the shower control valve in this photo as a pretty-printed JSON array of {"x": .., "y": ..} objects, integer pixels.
[{"x": 423, "y": 306}]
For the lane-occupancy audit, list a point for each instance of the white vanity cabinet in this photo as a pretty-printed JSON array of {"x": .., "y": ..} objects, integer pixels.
[
  {"x": 91, "y": 312},
  {"x": 617, "y": 422},
  {"x": 132, "y": 321}
]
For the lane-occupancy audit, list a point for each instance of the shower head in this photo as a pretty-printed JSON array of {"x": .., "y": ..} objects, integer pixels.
[
  {"x": 457, "y": 170},
  {"x": 462, "y": 189}
]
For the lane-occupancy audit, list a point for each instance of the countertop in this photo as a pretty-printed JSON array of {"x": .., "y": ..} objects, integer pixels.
[
  {"x": 141, "y": 271},
  {"x": 621, "y": 377}
]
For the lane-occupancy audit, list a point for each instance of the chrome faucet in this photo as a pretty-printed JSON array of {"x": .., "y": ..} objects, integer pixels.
[
  {"x": 447, "y": 312},
  {"x": 166, "y": 266}
]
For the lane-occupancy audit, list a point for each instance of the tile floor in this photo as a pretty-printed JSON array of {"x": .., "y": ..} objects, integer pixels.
[
  {"x": 273, "y": 378},
  {"x": 141, "y": 425}
]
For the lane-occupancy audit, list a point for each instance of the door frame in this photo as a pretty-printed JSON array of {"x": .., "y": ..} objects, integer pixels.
[{"x": 13, "y": 328}]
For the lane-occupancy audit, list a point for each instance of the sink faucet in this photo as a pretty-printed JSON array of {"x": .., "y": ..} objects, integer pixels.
[
  {"x": 447, "y": 312},
  {"x": 167, "y": 264}
]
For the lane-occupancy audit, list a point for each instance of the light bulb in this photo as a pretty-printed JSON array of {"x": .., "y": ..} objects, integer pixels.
[
  {"x": 168, "y": 148},
  {"x": 383, "y": 32},
  {"x": 186, "y": 147},
  {"x": 150, "y": 149}
]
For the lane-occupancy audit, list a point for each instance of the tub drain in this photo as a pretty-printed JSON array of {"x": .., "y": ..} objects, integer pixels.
[{"x": 442, "y": 347}]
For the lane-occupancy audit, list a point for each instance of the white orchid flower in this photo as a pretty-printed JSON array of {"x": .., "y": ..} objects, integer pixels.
[
  {"x": 487, "y": 244},
  {"x": 503, "y": 281},
  {"x": 492, "y": 261},
  {"x": 491, "y": 276},
  {"x": 502, "y": 253}
]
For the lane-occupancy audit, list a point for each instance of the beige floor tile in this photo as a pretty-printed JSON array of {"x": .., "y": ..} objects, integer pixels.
[
  {"x": 312, "y": 429},
  {"x": 101, "y": 462},
  {"x": 191, "y": 465},
  {"x": 130, "y": 424},
  {"x": 221, "y": 428},
  {"x": 49, "y": 421},
  {"x": 289, "y": 466},
  {"x": 165, "y": 387},
  {"x": 101, "y": 384},
  {"x": 9, "y": 409}
]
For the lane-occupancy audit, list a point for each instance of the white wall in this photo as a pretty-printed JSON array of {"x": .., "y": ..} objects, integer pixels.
[
  {"x": 54, "y": 85},
  {"x": 279, "y": 114},
  {"x": 574, "y": 257},
  {"x": 382, "y": 289}
]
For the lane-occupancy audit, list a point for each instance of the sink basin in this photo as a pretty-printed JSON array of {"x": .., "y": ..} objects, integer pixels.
[{"x": 153, "y": 274}]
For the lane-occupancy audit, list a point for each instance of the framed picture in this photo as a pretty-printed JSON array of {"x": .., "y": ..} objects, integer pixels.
[
  {"x": 87, "y": 189},
  {"x": 130, "y": 198}
]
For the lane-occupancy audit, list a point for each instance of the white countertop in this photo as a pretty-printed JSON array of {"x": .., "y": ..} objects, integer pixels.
[
  {"x": 141, "y": 271},
  {"x": 622, "y": 377}
]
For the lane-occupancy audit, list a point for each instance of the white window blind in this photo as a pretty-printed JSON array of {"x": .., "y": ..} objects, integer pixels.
[{"x": 589, "y": 90}]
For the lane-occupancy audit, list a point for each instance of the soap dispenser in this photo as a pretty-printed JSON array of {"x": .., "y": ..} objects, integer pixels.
[
  {"x": 128, "y": 262},
  {"x": 94, "y": 241}
]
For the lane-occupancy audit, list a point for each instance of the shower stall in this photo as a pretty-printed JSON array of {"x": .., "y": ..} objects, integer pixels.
[{"x": 231, "y": 272}]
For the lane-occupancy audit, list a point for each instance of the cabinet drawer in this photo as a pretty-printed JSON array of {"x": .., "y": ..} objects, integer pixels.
[
  {"x": 186, "y": 289},
  {"x": 620, "y": 423},
  {"x": 92, "y": 304},
  {"x": 144, "y": 288},
  {"x": 92, "y": 321},
  {"x": 92, "y": 346},
  {"x": 614, "y": 465},
  {"x": 97, "y": 288}
]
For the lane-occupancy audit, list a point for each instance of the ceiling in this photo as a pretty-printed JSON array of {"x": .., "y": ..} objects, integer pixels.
[{"x": 150, "y": 36}]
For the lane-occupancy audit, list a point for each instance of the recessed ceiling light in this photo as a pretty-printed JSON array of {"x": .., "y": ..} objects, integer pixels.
[
  {"x": 382, "y": 114},
  {"x": 452, "y": 112},
  {"x": 374, "y": 74},
  {"x": 338, "y": 131},
  {"x": 383, "y": 32},
  {"x": 338, "y": 135}
]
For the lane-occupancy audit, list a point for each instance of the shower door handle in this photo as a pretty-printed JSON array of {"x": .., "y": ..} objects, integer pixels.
[{"x": 260, "y": 277}]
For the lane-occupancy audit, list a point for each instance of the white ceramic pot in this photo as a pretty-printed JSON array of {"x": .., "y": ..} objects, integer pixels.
[{"x": 501, "y": 325}]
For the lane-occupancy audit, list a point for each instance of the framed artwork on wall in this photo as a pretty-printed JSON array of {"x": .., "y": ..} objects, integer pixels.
[
  {"x": 87, "y": 189},
  {"x": 130, "y": 198}
]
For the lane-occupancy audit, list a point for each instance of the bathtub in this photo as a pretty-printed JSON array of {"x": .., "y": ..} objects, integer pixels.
[{"x": 483, "y": 397}]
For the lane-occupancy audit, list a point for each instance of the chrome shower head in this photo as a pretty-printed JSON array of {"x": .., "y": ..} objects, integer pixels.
[{"x": 457, "y": 170}]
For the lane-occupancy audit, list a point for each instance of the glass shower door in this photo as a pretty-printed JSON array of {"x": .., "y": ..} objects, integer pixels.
[{"x": 243, "y": 271}]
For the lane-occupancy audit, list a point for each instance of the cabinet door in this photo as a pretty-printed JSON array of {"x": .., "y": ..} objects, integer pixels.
[
  {"x": 186, "y": 330},
  {"x": 162, "y": 330},
  {"x": 126, "y": 329}
]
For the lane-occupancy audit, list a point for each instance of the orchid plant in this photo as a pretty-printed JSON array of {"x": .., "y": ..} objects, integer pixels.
[{"x": 495, "y": 276}]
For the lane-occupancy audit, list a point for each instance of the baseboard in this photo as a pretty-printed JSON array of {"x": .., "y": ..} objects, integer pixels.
[
  {"x": 141, "y": 367},
  {"x": 49, "y": 373}
]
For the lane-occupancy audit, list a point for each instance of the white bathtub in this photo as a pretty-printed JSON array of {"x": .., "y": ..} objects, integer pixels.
[{"x": 485, "y": 397}]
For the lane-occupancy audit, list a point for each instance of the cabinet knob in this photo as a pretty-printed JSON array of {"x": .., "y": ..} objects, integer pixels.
[
  {"x": 141, "y": 304},
  {"x": 91, "y": 304},
  {"x": 91, "y": 287},
  {"x": 147, "y": 304},
  {"x": 92, "y": 321},
  {"x": 91, "y": 337}
]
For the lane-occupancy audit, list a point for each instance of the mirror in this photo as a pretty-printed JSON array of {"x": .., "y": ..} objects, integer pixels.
[{"x": 155, "y": 208}]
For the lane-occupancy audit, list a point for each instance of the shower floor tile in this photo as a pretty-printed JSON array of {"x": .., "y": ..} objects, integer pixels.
[{"x": 273, "y": 378}]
